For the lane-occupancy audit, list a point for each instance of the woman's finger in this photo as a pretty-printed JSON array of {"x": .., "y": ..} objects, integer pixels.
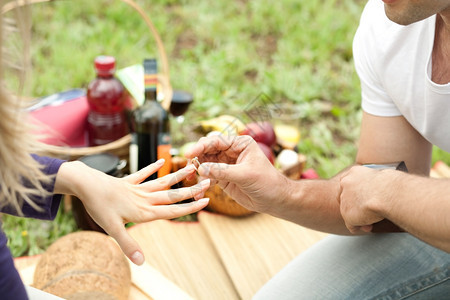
[
  {"x": 177, "y": 210},
  {"x": 169, "y": 180},
  {"x": 128, "y": 245},
  {"x": 176, "y": 195},
  {"x": 144, "y": 173}
]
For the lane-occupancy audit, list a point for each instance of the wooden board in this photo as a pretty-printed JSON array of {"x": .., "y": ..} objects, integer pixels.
[
  {"x": 184, "y": 254},
  {"x": 26, "y": 266},
  {"x": 253, "y": 249},
  {"x": 218, "y": 257}
]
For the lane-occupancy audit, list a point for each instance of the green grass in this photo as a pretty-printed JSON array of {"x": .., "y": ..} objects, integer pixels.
[
  {"x": 226, "y": 53},
  {"x": 31, "y": 237}
]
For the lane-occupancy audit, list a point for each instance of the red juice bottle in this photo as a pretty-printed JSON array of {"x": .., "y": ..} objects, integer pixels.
[{"x": 106, "y": 97}]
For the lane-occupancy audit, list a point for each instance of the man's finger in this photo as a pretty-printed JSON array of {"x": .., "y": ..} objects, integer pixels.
[
  {"x": 220, "y": 171},
  {"x": 367, "y": 228},
  {"x": 209, "y": 145},
  {"x": 353, "y": 229}
]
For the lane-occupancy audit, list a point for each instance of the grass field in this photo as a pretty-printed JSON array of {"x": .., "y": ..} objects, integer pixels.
[{"x": 226, "y": 53}]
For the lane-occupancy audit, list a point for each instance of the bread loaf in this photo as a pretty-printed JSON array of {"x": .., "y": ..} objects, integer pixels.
[{"x": 84, "y": 265}]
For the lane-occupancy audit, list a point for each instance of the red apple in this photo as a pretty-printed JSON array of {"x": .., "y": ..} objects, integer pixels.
[
  {"x": 310, "y": 174},
  {"x": 267, "y": 151},
  {"x": 261, "y": 132}
]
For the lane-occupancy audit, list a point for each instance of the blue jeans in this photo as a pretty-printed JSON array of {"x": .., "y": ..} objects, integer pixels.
[{"x": 380, "y": 266}]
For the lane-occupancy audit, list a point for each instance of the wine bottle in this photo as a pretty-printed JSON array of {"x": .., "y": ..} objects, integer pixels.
[{"x": 150, "y": 127}]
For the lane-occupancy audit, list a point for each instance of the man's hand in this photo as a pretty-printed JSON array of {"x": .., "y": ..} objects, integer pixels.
[
  {"x": 360, "y": 198},
  {"x": 241, "y": 169}
]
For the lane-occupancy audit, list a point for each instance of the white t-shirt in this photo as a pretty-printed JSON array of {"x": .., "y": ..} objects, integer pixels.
[{"x": 394, "y": 66}]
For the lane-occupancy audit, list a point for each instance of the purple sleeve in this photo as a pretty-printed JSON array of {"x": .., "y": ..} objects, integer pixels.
[
  {"x": 11, "y": 286},
  {"x": 49, "y": 203}
]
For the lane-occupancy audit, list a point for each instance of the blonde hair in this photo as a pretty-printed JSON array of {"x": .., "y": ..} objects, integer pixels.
[{"x": 21, "y": 176}]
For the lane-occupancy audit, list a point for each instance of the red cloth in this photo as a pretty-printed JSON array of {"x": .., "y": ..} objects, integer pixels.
[{"x": 64, "y": 124}]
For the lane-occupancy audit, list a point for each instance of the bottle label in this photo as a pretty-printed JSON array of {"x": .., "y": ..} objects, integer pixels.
[
  {"x": 134, "y": 150},
  {"x": 150, "y": 75},
  {"x": 164, "y": 145},
  {"x": 150, "y": 81},
  {"x": 97, "y": 119}
]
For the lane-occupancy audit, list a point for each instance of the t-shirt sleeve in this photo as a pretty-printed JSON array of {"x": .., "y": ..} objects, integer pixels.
[
  {"x": 49, "y": 204},
  {"x": 367, "y": 62}
]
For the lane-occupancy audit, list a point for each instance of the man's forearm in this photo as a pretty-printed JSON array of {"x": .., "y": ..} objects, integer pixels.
[
  {"x": 419, "y": 205},
  {"x": 313, "y": 204}
]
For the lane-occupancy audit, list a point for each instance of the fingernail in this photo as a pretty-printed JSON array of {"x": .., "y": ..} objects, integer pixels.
[
  {"x": 203, "y": 200},
  {"x": 137, "y": 258},
  {"x": 205, "y": 182},
  {"x": 160, "y": 161},
  {"x": 204, "y": 169},
  {"x": 190, "y": 167}
]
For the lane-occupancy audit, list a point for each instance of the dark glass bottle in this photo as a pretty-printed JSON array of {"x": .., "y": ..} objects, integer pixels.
[
  {"x": 107, "y": 163},
  {"x": 106, "y": 97},
  {"x": 150, "y": 127}
]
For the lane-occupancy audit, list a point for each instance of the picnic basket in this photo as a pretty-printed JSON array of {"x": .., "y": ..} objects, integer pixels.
[{"x": 119, "y": 147}]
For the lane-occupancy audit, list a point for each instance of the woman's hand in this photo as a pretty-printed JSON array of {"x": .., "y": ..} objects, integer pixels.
[
  {"x": 112, "y": 202},
  {"x": 241, "y": 169}
]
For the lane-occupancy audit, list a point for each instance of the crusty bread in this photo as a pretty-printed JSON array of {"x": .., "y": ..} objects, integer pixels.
[{"x": 84, "y": 265}]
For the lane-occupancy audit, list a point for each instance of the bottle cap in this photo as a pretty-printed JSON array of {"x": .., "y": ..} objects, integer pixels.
[{"x": 105, "y": 64}]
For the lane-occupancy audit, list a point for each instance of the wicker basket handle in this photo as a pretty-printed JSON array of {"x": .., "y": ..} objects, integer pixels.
[{"x": 163, "y": 78}]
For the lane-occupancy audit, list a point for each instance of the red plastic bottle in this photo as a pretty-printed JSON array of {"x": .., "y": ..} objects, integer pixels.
[{"x": 106, "y": 97}]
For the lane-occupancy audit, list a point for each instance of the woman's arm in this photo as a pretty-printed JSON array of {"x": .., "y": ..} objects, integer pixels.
[
  {"x": 48, "y": 203},
  {"x": 112, "y": 202}
]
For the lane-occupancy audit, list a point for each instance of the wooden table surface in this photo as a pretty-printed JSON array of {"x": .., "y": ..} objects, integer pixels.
[{"x": 218, "y": 257}]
